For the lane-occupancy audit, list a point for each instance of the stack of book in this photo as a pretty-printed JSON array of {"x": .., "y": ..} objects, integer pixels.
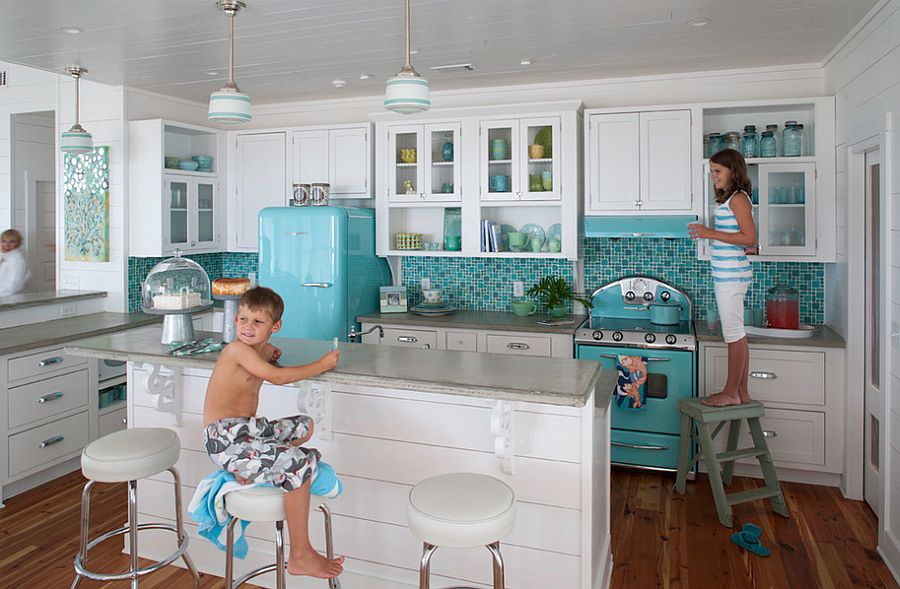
[{"x": 490, "y": 236}]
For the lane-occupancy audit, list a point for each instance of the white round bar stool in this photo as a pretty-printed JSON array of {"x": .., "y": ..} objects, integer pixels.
[
  {"x": 126, "y": 456},
  {"x": 265, "y": 504},
  {"x": 461, "y": 510}
]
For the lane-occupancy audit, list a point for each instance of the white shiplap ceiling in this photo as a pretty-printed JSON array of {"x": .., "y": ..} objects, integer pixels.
[{"x": 292, "y": 49}]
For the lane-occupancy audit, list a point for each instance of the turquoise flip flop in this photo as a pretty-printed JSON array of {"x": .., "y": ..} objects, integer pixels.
[{"x": 748, "y": 539}]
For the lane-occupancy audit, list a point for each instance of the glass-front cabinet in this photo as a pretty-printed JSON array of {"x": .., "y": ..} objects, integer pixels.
[
  {"x": 787, "y": 219},
  {"x": 423, "y": 163},
  {"x": 191, "y": 209},
  {"x": 517, "y": 159}
]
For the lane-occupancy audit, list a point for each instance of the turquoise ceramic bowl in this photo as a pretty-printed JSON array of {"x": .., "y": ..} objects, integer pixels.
[
  {"x": 189, "y": 165},
  {"x": 172, "y": 162},
  {"x": 204, "y": 162}
]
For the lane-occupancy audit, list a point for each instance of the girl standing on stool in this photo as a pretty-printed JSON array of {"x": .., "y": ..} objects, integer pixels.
[{"x": 732, "y": 232}]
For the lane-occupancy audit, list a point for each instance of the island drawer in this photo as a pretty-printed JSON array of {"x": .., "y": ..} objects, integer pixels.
[
  {"x": 409, "y": 338},
  {"x": 462, "y": 341},
  {"x": 522, "y": 345},
  {"x": 776, "y": 376},
  {"x": 45, "y": 398},
  {"x": 36, "y": 364},
  {"x": 46, "y": 443}
]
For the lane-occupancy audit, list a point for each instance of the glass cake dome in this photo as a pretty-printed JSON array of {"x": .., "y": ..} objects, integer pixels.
[{"x": 176, "y": 285}]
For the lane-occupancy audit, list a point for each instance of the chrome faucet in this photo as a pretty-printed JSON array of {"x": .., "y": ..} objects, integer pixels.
[{"x": 354, "y": 334}]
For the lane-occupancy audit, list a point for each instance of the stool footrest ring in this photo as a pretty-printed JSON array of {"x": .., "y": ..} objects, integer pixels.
[{"x": 183, "y": 544}]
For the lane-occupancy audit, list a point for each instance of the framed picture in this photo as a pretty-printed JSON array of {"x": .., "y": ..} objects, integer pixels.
[{"x": 393, "y": 299}]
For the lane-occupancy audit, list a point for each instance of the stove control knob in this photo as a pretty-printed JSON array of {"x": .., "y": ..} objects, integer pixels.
[
  {"x": 617, "y": 336},
  {"x": 648, "y": 296},
  {"x": 629, "y": 296},
  {"x": 650, "y": 338},
  {"x": 597, "y": 335},
  {"x": 671, "y": 339},
  {"x": 665, "y": 296}
]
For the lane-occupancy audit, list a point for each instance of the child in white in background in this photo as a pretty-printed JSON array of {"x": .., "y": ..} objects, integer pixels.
[
  {"x": 14, "y": 272},
  {"x": 732, "y": 233}
]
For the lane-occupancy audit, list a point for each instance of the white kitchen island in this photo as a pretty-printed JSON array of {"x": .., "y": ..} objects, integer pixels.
[{"x": 388, "y": 418}]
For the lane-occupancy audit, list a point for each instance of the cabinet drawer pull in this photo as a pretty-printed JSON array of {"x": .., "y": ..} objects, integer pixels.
[
  {"x": 518, "y": 346},
  {"x": 764, "y": 375},
  {"x": 407, "y": 339},
  {"x": 767, "y": 433},
  {"x": 638, "y": 446},
  {"x": 51, "y": 397},
  {"x": 317, "y": 284},
  {"x": 49, "y": 361},
  {"x": 51, "y": 440}
]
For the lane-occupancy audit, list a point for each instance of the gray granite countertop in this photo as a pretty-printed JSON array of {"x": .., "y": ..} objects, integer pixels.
[
  {"x": 550, "y": 381},
  {"x": 34, "y": 299},
  {"x": 822, "y": 337},
  {"x": 61, "y": 331},
  {"x": 463, "y": 318}
]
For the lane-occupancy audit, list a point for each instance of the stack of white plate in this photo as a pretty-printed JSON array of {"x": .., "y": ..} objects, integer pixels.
[{"x": 433, "y": 309}]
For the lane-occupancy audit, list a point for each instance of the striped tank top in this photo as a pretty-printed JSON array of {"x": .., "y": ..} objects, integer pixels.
[{"x": 729, "y": 263}]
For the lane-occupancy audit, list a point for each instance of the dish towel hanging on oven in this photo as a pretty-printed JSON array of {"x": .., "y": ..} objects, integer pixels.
[{"x": 631, "y": 386}]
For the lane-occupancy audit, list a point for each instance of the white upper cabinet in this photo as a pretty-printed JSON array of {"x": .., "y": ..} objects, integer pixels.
[
  {"x": 342, "y": 157},
  {"x": 639, "y": 162},
  {"x": 510, "y": 168},
  {"x": 170, "y": 208},
  {"x": 260, "y": 180}
]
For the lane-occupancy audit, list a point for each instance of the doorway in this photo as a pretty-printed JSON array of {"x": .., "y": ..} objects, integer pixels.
[
  {"x": 34, "y": 194},
  {"x": 874, "y": 325}
]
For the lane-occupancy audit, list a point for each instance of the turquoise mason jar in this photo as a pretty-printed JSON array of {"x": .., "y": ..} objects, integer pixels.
[
  {"x": 767, "y": 146},
  {"x": 791, "y": 140},
  {"x": 750, "y": 142},
  {"x": 733, "y": 141},
  {"x": 714, "y": 144}
]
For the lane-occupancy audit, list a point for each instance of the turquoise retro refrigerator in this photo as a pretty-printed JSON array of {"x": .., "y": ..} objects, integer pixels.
[{"x": 322, "y": 261}]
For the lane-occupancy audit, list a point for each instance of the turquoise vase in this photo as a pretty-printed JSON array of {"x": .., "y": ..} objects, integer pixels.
[{"x": 447, "y": 151}]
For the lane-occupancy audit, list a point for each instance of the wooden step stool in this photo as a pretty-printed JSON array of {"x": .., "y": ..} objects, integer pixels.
[{"x": 695, "y": 421}]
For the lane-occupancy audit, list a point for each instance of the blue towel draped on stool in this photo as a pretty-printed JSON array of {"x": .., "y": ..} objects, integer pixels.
[{"x": 207, "y": 506}]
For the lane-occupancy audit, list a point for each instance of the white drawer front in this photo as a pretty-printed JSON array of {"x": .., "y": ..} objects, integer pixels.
[
  {"x": 112, "y": 422},
  {"x": 792, "y": 437},
  {"x": 522, "y": 345},
  {"x": 462, "y": 341},
  {"x": 775, "y": 376},
  {"x": 46, "y": 398},
  {"x": 409, "y": 338},
  {"x": 47, "y": 443},
  {"x": 34, "y": 366}
]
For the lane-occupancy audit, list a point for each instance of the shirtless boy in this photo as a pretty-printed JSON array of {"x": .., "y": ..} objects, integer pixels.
[{"x": 260, "y": 450}]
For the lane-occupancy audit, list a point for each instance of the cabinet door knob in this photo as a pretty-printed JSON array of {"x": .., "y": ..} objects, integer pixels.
[{"x": 426, "y": 347}]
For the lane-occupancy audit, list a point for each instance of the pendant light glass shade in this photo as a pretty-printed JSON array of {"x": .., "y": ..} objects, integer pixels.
[
  {"x": 76, "y": 139},
  {"x": 229, "y": 104},
  {"x": 407, "y": 92}
]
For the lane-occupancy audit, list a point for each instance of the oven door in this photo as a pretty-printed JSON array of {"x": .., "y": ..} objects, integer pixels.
[{"x": 671, "y": 376}]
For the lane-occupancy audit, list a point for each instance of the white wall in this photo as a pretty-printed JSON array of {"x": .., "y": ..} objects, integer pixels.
[{"x": 864, "y": 75}]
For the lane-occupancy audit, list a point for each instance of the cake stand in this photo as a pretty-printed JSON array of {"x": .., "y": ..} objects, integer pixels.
[
  {"x": 177, "y": 324},
  {"x": 231, "y": 307}
]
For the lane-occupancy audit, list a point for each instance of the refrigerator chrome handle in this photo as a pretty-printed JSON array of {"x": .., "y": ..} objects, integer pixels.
[{"x": 317, "y": 284}]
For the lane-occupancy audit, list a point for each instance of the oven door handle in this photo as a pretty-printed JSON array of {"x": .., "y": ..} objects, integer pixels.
[
  {"x": 638, "y": 446},
  {"x": 650, "y": 359}
]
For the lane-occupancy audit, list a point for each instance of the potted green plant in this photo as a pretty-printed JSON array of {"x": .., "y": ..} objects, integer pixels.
[{"x": 556, "y": 294}]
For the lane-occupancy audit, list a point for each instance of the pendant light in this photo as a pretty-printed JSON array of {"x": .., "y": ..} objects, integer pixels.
[
  {"x": 407, "y": 92},
  {"x": 229, "y": 104},
  {"x": 76, "y": 139}
]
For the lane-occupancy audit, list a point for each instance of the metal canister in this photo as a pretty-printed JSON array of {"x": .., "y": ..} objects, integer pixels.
[
  {"x": 301, "y": 195},
  {"x": 318, "y": 194}
]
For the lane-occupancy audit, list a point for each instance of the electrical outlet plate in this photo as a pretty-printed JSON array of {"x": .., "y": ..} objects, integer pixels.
[
  {"x": 426, "y": 283},
  {"x": 68, "y": 310},
  {"x": 71, "y": 283},
  {"x": 518, "y": 288}
]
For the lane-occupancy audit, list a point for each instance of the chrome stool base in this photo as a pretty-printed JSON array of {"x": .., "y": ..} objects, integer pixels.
[
  {"x": 279, "y": 566},
  {"x": 134, "y": 571},
  {"x": 428, "y": 551}
]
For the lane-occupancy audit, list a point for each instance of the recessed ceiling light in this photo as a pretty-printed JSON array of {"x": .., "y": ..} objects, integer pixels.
[
  {"x": 413, "y": 51},
  {"x": 366, "y": 76},
  {"x": 339, "y": 83},
  {"x": 525, "y": 62},
  {"x": 70, "y": 30},
  {"x": 211, "y": 73},
  {"x": 699, "y": 22}
]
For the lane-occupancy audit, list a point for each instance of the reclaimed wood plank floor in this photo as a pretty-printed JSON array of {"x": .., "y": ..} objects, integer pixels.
[{"x": 660, "y": 539}]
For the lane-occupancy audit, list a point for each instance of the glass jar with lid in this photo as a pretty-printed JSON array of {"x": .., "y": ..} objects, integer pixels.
[
  {"x": 767, "y": 145},
  {"x": 791, "y": 140},
  {"x": 176, "y": 287},
  {"x": 750, "y": 142},
  {"x": 732, "y": 141},
  {"x": 714, "y": 144},
  {"x": 783, "y": 307}
]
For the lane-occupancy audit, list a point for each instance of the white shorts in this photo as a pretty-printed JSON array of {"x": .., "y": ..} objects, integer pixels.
[{"x": 730, "y": 300}]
